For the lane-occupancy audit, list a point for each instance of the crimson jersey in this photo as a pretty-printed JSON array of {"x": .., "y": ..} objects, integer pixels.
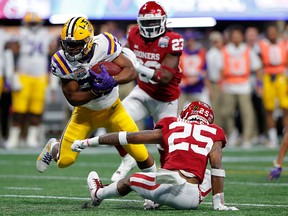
[
  {"x": 151, "y": 54},
  {"x": 186, "y": 145}
]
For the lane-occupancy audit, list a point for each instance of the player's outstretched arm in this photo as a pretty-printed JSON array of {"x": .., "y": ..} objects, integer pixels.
[
  {"x": 217, "y": 178},
  {"x": 120, "y": 138}
]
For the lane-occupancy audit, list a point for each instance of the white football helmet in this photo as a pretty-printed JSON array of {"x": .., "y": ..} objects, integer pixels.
[{"x": 152, "y": 20}]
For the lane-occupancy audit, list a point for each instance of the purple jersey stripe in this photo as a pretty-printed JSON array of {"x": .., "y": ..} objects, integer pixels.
[
  {"x": 109, "y": 40},
  {"x": 64, "y": 61},
  {"x": 115, "y": 44},
  {"x": 58, "y": 65}
]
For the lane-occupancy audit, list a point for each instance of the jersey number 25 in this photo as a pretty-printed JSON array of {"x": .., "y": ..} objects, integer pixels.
[{"x": 191, "y": 130}]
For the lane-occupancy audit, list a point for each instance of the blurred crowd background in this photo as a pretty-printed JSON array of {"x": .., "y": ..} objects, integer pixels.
[{"x": 239, "y": 110}]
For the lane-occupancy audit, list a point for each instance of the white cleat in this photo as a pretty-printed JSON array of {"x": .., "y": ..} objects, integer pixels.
[
  {"x": 94, "y": 184},
  {"x": 45, "y": 157},
  {"x": 127, "y": 164}
]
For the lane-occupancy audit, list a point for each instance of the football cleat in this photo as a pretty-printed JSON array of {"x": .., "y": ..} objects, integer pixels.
[
  {"x": 94, "y": 184},
  {"x": 127, "y": 164},
  {"x": 45, "y": 157}
]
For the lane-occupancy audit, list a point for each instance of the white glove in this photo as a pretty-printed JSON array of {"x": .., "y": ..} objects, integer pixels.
[
  {"x": 218, "y": 203},
  {"x": 144, "y": 71},
  {"x": 226, "y": 208},
  {"x": 78, "y": 145},
  {"x": 143, "y": 78},
  {"x": 150, "y": 205}
]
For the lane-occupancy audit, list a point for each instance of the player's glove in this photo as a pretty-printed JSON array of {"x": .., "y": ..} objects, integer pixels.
[
  {"x": 145, "y": 73},
  {"x": 275, "y": 172},
  {"x": 218, "y": 203},
  {"x": 101, "y": 83},
  {"x": 78, "y": 145},
  {"x": 150, "y": 205}
]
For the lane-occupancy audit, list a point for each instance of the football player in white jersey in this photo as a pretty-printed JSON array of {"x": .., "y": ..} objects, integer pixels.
[
  {"x": 28, "y": 98},
  {"x": 94, "y": 96},
  {"x": 185, "y": 145}
]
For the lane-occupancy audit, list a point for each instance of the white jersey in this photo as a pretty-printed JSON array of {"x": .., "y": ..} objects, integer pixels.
[
  {"x": 106, "y": 48},
  {"x": 34, "y": 49}
]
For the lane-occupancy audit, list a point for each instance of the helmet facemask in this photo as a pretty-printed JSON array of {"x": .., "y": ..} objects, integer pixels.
[
  {"x": 77, "y": 38},
  {"x": 151, "y": 26},
  {"x": 75, "y": 50}
]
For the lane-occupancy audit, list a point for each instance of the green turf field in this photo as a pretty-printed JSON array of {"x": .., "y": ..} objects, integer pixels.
[{"x": 24, "y": 191}]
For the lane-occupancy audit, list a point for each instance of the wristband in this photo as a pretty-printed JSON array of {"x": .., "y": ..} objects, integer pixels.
[
  {"x": 276, "y": 164},
  {"x": 148, "y": 72},
  {"x": 218, "y": 172},
  {"x": 122, "y": 136},
  {"x": 93, "y": 141}
]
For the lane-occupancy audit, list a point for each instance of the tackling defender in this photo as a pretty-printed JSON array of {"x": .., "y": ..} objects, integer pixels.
[
  {"x": 185, "y": 145},
  {"x": 94, "y": 96}
]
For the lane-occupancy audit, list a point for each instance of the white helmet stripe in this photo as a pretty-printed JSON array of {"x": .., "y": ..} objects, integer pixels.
[{"x": 71, "y": 25}]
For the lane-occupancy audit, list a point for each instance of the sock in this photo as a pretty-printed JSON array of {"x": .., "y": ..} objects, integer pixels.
[
  {"x": 32, "y": 136},
  {"x": 14, "y": 136},
  {"x": 150, "y": 169},
  {"x": 108, "y": 191},
  {"x": 272, "y": 134}
]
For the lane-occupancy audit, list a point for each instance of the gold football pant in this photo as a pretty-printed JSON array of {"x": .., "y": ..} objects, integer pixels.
[
  {"x": 31, "y": 98},
  {"x": 84, "y": 121}
]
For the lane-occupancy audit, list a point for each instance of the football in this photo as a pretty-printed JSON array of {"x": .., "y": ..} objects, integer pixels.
[{"x": 112, "y": 68}]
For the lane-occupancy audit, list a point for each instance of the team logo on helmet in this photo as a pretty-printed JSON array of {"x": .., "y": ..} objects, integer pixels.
[{"x": 198, "y": 111}]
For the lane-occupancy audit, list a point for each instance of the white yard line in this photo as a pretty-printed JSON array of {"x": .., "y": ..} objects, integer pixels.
[
  {"x": 127, "y": 200},
  {"x": 23, "y": 188},
  {"x": 72, "y": 178}
]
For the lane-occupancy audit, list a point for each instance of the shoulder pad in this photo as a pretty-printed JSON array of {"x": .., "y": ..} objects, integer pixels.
[
  {"x": 59, "y": 65},
  {"x": 107, "y": 47}
]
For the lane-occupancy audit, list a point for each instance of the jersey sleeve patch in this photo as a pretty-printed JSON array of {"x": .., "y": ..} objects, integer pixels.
[
  {"x": 61, "y": 63},
  {"x": 112, "y": 47}
]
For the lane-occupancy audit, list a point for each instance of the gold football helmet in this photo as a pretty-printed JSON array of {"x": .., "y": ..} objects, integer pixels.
[
  {"x": 32, "y": 18},
  {"x": 77, "y": 38}
]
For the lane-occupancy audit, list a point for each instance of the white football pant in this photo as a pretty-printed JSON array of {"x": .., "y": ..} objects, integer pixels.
[
  {"x": 179, "y": 195},
  {"x": 139, "y": 105}
]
